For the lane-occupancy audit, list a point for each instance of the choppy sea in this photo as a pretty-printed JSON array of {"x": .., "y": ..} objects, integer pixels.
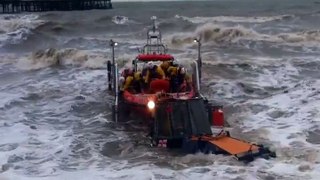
[{"x": 261, "y": 61}]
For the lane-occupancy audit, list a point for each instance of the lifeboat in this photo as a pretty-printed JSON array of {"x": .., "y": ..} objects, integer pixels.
[{"x": 183, "y": 119}]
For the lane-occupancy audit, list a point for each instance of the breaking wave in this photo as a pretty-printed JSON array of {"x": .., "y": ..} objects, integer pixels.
[
  {"x": 70, "y": 56},
  {"x": 235, "y": 19},
  {"x": 305, "y": 36},
  {"x": 52, "y": 57},
  {"x": 212, "y": 33},
  {"x": 16, "y": 28},
  {"x": 56, "y": 27},
  {"x": 295, "y": 108},
  {"x": 54, "y": 119},
  {"x": 120, "y": 19},
  {"x": 220, "y": 35}
]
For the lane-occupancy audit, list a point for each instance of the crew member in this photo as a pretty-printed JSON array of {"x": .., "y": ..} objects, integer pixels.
[
  {"x": 138, "y": 82},
  {"x": 144, "y": 70},
  {"x": 173, "y": 68},
  {"x": 164, "y": 66},
  {"x": 127, "y": 72},
  {"x": 154, "y": 72},
  {"x": 144, "y": 75},
  {"x": 172, "y": 74},
  {"x": 183, "y": 80},
  {"x": 121, "y": 83},
  {"x": 133, "y": 83}
]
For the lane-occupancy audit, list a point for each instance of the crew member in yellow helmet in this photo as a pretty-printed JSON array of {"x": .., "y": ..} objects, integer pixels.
[
  {"x": 173, "y": 69},
  {"x": 154, "y": 72},
  {"x": 133, "y": 83},
  {"x": 164, "y": 66},
  {"x": 173, "y": 76},
  {"x": 137, "y": 82},
  {"x": 184, "y": 81}
]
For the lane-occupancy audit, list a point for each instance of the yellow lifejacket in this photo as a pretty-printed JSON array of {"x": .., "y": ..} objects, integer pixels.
[
  {"x": 159, "y": 74},
  {"x": 165, "y": 65},
  {"x": 127, "y": 83},
  {"x": 137, "y": 76},
  {"x": 172, "y": 71}
]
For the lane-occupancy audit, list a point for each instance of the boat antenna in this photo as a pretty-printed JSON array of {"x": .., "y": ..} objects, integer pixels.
[
  {"x": 154, "y": 44},
  {"x": 154, "y": 18}
]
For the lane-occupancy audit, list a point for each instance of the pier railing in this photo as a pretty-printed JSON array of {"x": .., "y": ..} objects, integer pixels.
[{"x": 17, "y": 6}]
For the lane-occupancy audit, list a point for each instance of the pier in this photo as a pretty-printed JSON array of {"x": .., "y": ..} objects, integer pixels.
[{"x": 17, "y": 6}]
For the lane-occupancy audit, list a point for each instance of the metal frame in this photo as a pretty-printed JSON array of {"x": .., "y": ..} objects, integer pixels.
[
  {"x": 154, "y": 34},
  {"x": 116, "y": 85},
  {"x": 199, "y": 62}
]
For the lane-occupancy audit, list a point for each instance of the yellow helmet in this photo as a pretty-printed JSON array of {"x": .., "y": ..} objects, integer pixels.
[{"x": 165, "y": 65}]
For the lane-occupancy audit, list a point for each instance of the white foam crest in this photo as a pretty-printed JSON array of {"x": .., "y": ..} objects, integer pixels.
[
  {"x": 51, "y": 57},
  {"x": 220, "y": 34},
  {"x": 228, "y": 90},
  {"x": 310, "y": 38},
  {"x": 293, "y": 108},
  {"x": 146, "y": 171},
  {"x": 219, "y": 169},
  {"x": 235, "y": 19},
  {"x": 15, "y": 28},
  {"x": 307, "y": 38},
  {"x": 11, "y": 23},
  {"x": 286, "y": 114},
  {"x": 188, "y": 167},
  {"x": 125, "y": 60},
  {"x": 8, "y": 58},
  {"x": 212, "y": 33},
  {"x": 7, "y": 98},
  {"x": 288, "y": 169},
  {"x": 36, "y": 150},
  {"x": 94, "y": 59},
  {"x": 120, "y": 19},
  {"x": 255, "y": 62},
  {"x": 281, "y": 77}
]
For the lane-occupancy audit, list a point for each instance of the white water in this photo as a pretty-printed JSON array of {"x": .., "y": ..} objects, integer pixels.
[
  {"x": 54, "y": 118},
  {"x": 16, "y": 28},
  {"x": 235, "y": 19},
  {"x": 221, "y": 34}
]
